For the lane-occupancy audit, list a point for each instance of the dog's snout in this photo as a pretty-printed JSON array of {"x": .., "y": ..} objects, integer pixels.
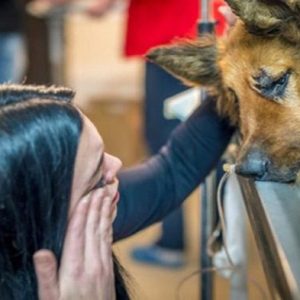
[{"x": 254, "y": 163}]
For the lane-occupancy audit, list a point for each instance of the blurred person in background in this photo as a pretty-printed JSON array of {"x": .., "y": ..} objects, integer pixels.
[
  {"x": 12, "y": 45},
  {"x": 149, "y": 24}
]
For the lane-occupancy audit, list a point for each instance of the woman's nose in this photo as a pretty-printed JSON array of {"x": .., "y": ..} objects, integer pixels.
[{"x": 112, "y": 166}]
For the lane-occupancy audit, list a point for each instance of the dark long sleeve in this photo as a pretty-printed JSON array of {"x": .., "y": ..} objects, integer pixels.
[{"x": 156, "y": 187}]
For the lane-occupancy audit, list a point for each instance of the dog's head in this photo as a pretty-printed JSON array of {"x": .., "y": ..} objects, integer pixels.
[{"x": 255, "y": 75}]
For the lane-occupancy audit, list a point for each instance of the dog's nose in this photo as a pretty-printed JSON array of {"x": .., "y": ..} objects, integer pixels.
[{"x": 254, "y": 163}]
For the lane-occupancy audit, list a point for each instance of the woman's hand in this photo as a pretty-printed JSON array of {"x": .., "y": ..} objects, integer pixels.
[{"x": 86, "y": 269}]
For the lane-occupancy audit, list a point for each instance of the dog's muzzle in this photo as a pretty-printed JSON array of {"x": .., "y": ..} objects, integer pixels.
[{"x": 253, "y": 164}]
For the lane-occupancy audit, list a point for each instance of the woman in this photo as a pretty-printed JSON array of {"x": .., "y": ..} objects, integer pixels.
[
  {"x": 58, "y": 191},
  {"x": 40, "y": 188}
]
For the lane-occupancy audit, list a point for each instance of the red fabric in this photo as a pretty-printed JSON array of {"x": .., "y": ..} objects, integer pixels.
[{"x": 154, "y": 22}]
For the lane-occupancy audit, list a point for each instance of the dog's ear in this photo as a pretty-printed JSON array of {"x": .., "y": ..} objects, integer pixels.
[
  {"x": 270, "y": 17},
  {"x": 197, "y": 63},
  {"x": 194, "y": 62}
]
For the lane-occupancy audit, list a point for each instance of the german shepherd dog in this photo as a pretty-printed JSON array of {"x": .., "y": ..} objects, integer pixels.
[{"x": 255, "y": 75}]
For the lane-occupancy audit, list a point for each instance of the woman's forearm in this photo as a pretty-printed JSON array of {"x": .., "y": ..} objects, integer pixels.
[{"x": 155, "y": 188}]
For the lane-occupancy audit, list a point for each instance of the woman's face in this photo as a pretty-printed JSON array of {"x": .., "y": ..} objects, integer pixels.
[{"x": 94, "y": 169}]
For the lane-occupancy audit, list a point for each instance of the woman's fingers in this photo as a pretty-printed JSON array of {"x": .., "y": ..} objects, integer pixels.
[
  {"x": 74, "y": 246},
  {"x": 86, "y": 269},
  {"x": 105, "y": 248},
  {"x": 46, "y": 272},
  {"x": 105, "y": 233},
  {"x": 92, "y": 255}
]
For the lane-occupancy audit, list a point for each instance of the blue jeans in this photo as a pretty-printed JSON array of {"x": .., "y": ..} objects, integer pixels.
[{"x": 12, "y": 57}]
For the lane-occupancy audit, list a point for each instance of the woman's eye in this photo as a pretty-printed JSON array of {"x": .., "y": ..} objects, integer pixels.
[{"x": 100, "y": 184}]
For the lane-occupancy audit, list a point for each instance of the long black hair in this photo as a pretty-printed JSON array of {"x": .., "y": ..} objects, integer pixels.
[{"x": 39, "y": 136}]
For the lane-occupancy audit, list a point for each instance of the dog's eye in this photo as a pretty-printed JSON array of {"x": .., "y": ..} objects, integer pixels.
[{"x": 271, "y": 87}]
